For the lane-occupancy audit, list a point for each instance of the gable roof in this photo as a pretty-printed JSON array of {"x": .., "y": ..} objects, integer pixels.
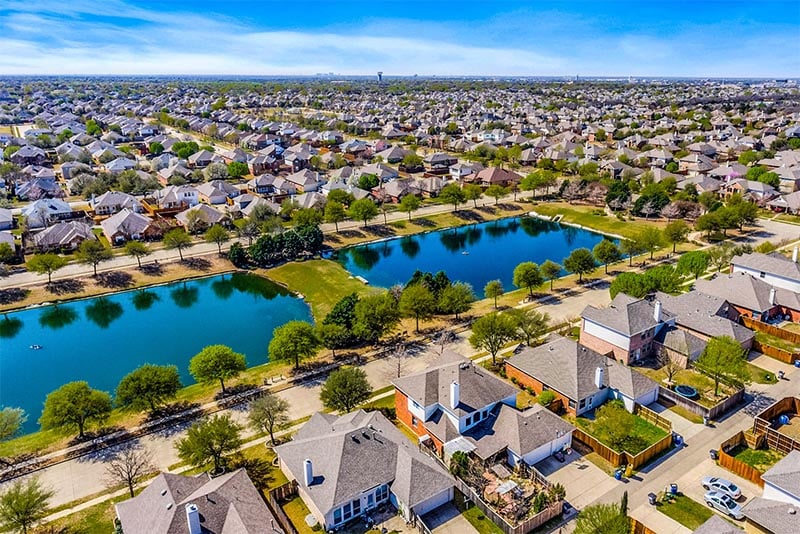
[
  {"x": 786, "y": 474},
  {"x": 775, "y": 516},
  {"x": 626, "y": 315},
  {"x": 774, "y": 263},
  {"x": 717, "y": 525}
]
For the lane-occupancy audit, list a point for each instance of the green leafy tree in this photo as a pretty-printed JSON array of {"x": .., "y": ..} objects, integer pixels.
[
  {"x": 307, "y": 217},
  {"x": 148, "y": 387},
  {"x": 92, "y": 252},
  {"x": 452, "y": 194},
  {"x": 580, "y": 262},
  {"x": 11, "y": 420},
  {"x": 631, "y": 248},
  {"x": 531, "y": 324},
  {"x": 694, "y": 263},
  {"x": 156, "y": 148},
  {"x": 606, "y": 252},
  {"x": 237, "y": 169},
  {"x": 496, "y": 192},
  {"x": 6, "y": 253},
  {"x": 550, "y": 271},
  {"x": 217, "y": 362},
  {"x": 177, "y": 239},
  {"x": 527, "y": 274},
  {"x": 368, "y": 181},
  {"x": 375, "y": 316},
  {"x": 334, "y": 213},
  {"x": 675, "y": 232},
  {"x": 217, "y": 235},
  {"x": 47, "y": 263},
  {"x": 651, "y": 238},
  {"x": 269, "y": 413},
  {"x": 417, "y": 301},
  {"x": 345, "y": 388},
  {"x": 333, "y": 336},
  {"x": 632, "y": 284},
  {"x": 295, "y": 340},
  {"x": 409, "y": 204},
  {"x": 472, "y": 192},
  {"x": 493, "y": 290},
  {"x": 75, "y": 405},
  {"x": 724, "y": 359},
  {"x": 363, "y": 209},
  {"x": 491, "y": 332},
  {"x": 456, "y": 298},
  {"x": 23, "y": 505},
  {"x": 138, "y": 250},
  {"x": 721, "y": 255},
  {"x": 602, "y": 519},
  {"x": 209, "y": 441}
]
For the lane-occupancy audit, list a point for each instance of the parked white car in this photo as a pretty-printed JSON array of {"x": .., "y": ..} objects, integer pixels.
[
  {"x": 721, "y": 485},
  {"x": 724, "y": 504}
]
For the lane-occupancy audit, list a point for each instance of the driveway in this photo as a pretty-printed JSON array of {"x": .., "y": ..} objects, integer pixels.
[
  {"x": 583, "y": 481},
  {"x": 448, "y": 520}
]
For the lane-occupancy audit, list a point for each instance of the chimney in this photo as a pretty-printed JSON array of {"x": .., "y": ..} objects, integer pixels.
[
  {"x": 193, "y": 519},
  {"x": 794, "y": 255},
  {"x": 454, "y": 395},
  {"x": 772, "y": 296},
  {"x": 598, "y": 377},
  {"x": 657, "y": 311},
  {"x": 308, "y": 470}
]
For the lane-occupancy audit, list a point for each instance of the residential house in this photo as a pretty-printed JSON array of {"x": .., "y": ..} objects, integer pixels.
[
  {"x": 717, "y": 525},
  {"x": 583, "y": 379},
  {"x": 164, "y": 175},
  {"x": 119, "y": 165},
  {"x": 111, "y": 202},
  {"x": 393, "y": 154},
  {"x": 28, "y": 155},
  {"x": 627, "y": 327},
  {"x": 346, "y": 466},
  {"x": 758, "y": 192},
  {"x": 201, "y": 159},
  {"x": 774, "y": 268},
  {"x": 753, "y": 297},
  {"x": 126, "y": 225},
  {"x": 777, "y": 511},
  {"x": 206, "y": 217},
  {"x": 258, "y": 201},
  {"x": 64, "y": 235},
  {"x": 448, "y": 398},
  {"x": 439, "y": 162},
  {"x": 216, "y": 192},
  {"x": 177, "y": 196},
  {"x": 45, "y": 212},
  {"x": 306, "y": 180},
  {"x": 178, "y": 504},
  {"x": 461, "y": 170},
  {"x": 494, "y": 176},
  {"x": 6, "y": 219}
]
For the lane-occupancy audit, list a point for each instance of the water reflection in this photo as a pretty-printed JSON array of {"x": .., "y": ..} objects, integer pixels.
[
  {"x": 10, "y": 327},
  {"x": 57, "y": 316},
  {"x": 185, "y": 296},
  {"x": 409, "y": 246},
  {"x": 103, "y": 312},
  {"x": 222, "y": 288},
  {"x": 501, "y": 228},
  {"x": 144, "y": 300},
  {"x": 364, "y": 257}
]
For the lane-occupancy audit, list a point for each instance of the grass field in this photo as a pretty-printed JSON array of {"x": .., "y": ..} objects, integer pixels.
[
  {"x": 761, "y": 376},
  {"x": 760, "y": 459},
  {"x": 703, "y": 384},
  {"x": 686, "y": 511},
  {"x": 297, "y": 511},
  {"x": 322, "y": 282},
  {"x": 647, "y": 433},
  {"x": 588, "y": 216},
  {"x": 481, "y": 523}
]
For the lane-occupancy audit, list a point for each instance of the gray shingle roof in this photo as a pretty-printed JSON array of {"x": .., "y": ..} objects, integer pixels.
[
  {"x": 775, "y": 516},
  {"x": 626, "y": 315},
  {"x": 740, "y": 289},
  {"x": 717, "y": 525},
  {"x": 774, "y": 263},
  {"x": 478, "y": 388},
  {"x": 786, "y": 474},
  {"x": 680, "y": 341},
  {"x": 357, "y": 452}
]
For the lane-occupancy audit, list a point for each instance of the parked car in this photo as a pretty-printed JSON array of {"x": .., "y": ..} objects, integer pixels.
[
  {"x": 721, "y": 485},
  {"x": 724, "y": 504}
]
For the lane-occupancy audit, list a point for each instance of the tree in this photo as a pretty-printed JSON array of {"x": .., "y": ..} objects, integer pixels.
[
  {"x": 721, "y": 255},
  {"x": 724, "y": 359},
  {"x": 550, "y": 271},
  {"x": 6, "y": 253},
  {"x": 148, "y": 387},
  {"x": 375, "y": 316},
  {"x": 334, "y": 213},
  {"x": 606, "y": 252},
  {"x": 307, "y": 217},
  {"x": 210, "y": 440},
  {"x": 615, "y": 423},
  {"x": 695, "y": 263},
  {"x": 668, "y": 364},
  {"x": 409, "y": 204},
  {"x": 530, "y": 323},
  {"x": 218, "y": 235},
  {"x": 295, "y": 340},
  {"x": 631, "y": 248},
  {"x": 676, "y": 232},
  {"x": 24, "y": 504},
  {"x": 417, "y": 301},
  {"x": 368, "y": 181},
  {"x": 363, "y": 209},
  {"x": 345, "y": 388},
  {"x": 472, "y": 192},
  {"x": 456, "y": 298},
  {"x": 708, "y": 223},
  {"x": 650, "y": 238},
  {"x": 580, "y": 261},
  {"x": 156, "y": 148},
  {"x": 491, "y": 332},
  {"x": 138, "y": 250},
  {"x": 237, "y": 169},
  {"x": 177, "y": 239},
  {"x": 527, "y": 274},
  {"x": 333, "y": 336},
  {"x": 602, "y": 519},
  {"x": 11, "y": 420},
  {"x": 75, "y": 405},
  {"x": 217, "y": 362},
  {"x": 216, "y": 171},
  {"x": 47, "y": 263},
  {"x": 493, "y": 289},
  {"x": 128, "y": 466},
  {"x": 92, "y": 252},
  {"x": 452, "y": 194},
  {"x": 269, "y": 413},
  {"x": 496, "y": 192}
]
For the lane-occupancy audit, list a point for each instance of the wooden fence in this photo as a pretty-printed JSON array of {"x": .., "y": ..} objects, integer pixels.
[
  {"x": 774, "y": 438},
  {"x": 733, "y": 465},
  {"x": 760, "y": 326},
  {"x": 653, "y": 418},
  {"x": 274, "y": 498},
  {"x": 781, "y": 355},
  {"x": 624, "y": 458},
  {"x": 698, "y": 409},
  {"x": 640, "y": 528}
]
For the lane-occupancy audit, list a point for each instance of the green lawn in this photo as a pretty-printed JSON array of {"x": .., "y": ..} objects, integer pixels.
[
  {"x": 588, "y": 216},
  {"x": 686, "y": 511},
  {"x": 686, "y": 414},
  {"x": 760, "y": 459},
  {"x": 647, "y": 433},
  {"x": 383, "y": 402},
  {"x": 703, "y": 384},
  {"x": 481, "y": 523},
  {"x": 322, "y": 282},
  {"x": 297, "y": 511},
  {"x": 525, "y": 399},
  {"x": 773, "y": 341},
  {"x": 761, "y": 376},
  {"x": 97, "y": 519}
]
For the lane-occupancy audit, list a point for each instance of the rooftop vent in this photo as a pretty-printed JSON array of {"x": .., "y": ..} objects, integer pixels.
[{"x": 163, "y": 492}]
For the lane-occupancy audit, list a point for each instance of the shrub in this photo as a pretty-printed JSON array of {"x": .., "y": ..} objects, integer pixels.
[{"x": 546, "y": 398}]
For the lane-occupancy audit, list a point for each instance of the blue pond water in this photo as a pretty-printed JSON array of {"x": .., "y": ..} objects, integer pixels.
[
  {"x": 475, "y": 254},
  {"x": 100, "y": 340}
]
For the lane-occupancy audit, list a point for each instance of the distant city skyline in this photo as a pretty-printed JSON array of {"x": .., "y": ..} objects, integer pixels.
[{"x": 723, "y": 39}]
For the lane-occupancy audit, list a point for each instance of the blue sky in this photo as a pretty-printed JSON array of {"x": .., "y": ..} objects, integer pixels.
[{"x": 468, "y": 37}]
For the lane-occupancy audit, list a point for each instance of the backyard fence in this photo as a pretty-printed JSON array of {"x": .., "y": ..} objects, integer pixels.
[
  {"x": 617, "y": 459},
  {"x": 781, "y": 355},
  {"x": 760, "y": 326},
  {"x": 698, "y": 409},
  {"x": 734, "y": 465},
  {"x": 274, "y": 498},
  {"x": 640, "y": 528},
  {"x": 652, "y": 417},
  {"x": 775, "y": 439}
]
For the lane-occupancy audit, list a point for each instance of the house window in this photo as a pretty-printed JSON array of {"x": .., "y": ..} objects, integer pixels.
[
  {"x": 347, "y": 511},
  {"x": 590, "y": 401},
  {"x": 370, "y": 500},
  {"x": 761, "y": 274},
  {"x": 583, "y": 404},
  {"x": 382, "y": 493},
  {"x": 356, "y": 507},
  {"x": 413, "y": 421},
  {"x": 337, "y": 516},
  {"x": 572, "y": 404},
  {"x": 416, "y": 405}
]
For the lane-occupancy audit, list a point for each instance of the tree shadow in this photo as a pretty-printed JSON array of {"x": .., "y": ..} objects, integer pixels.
[
  {"x": 424, "y": 222},
  {"x": 114, "y": 279},
  {"x": 469, "y": 215},
  {"x": 64, "y": 287},
  {"x": 10, "y": 327},
  {"x": 56, "y": 317},
  {"x": 196, "y": 264},
  {"x": 12, "y": 295},
  {"x": 103, "y": 312},
  {"x": 152, "y": 269}
]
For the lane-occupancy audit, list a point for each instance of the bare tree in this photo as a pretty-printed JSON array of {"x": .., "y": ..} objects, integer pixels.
[
  {"x": 128, "y": 466},
  {"x": 669, "y": 364},
  {"x": 400, "y": 354},
  {"x": 442, "y": 339},
  {"x": 648, "y": 209}
]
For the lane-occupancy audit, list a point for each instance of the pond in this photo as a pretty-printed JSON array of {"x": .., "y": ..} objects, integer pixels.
[
  {"x": 476, "y": 254},
  {"x": 100, "y": 340}
]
